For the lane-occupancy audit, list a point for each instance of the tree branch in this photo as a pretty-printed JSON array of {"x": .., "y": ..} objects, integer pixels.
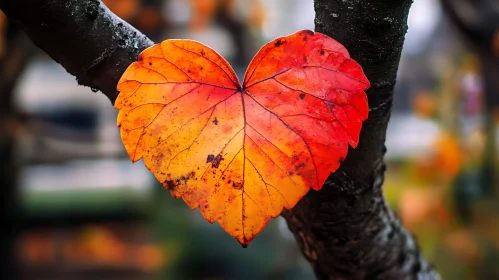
[
  {"x": 346, "y": 230},
  {"x": 87, "y": 39}
]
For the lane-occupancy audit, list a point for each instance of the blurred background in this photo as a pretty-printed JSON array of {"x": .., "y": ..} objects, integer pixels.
[{"x": 78, "y": 209}]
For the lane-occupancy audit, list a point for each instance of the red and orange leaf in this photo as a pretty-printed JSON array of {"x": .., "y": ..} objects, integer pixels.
[{"x": 242, "y": 152}]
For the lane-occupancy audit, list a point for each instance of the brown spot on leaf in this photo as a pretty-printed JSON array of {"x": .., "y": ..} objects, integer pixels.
[
  {"x": 170, "y": 185},
  {"x": 237, "y": 186},
  {"x": 278, "y": 43},
  {"x": 215, "y": 160},
  {"x": 330, "y": 104},
  {"x": 186, "y": 177},
  {"x": 215, "y": 121},
  {"x": 210, "y": 158},
  {"x": 299, "y": 166},
  {"x": 308, "y": 32},
  {"x": 321, "y": 52},
  {"x": 302, "y": 95},
  {"x": 245, "y": 240}
]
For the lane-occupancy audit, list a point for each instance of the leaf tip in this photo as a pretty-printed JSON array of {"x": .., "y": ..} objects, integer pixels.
[
  {"x": 134, "y": 157},
  {"x": 134, "y": 160},
  {"x": 244, "y": 241}
]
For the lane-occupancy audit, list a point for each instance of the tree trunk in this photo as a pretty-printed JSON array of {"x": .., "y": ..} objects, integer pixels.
[{"x": 346, "y": 230}]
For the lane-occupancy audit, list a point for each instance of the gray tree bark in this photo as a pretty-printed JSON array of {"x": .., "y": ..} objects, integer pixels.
[
  {"x": 346, "y": 230},
  {"x": 84, "y": 36}
]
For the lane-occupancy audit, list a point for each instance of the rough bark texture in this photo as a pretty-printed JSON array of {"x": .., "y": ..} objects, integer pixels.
[
  {"x": 87, "y": 39},
  {"x": 346, "y": 230}
]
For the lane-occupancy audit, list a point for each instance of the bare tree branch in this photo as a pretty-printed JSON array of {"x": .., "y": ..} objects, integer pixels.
[{"x": 87, "y": 39}]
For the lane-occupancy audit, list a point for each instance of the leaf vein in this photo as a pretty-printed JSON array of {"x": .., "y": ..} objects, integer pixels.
[
  {"x": 299, "y": 135},
  {"x": 214, "y": 63},
  {"x": 271, "y": 159}
]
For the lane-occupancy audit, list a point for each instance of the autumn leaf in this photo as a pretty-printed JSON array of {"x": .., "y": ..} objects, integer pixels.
[{"x": 242, "y": 152}]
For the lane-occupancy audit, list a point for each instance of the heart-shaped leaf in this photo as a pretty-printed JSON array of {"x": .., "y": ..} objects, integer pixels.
[{"x": 242, "y": 152}]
